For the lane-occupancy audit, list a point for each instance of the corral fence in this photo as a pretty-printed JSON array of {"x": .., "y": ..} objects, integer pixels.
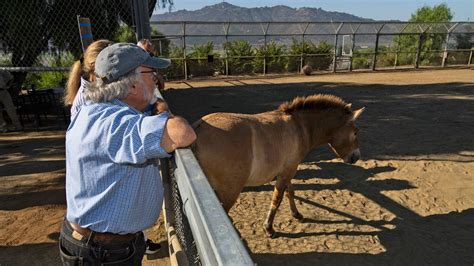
[{"x": 229, "y": 48}]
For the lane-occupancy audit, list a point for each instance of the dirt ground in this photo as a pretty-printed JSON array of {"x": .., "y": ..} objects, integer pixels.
[{"x": 409, "y": 201}]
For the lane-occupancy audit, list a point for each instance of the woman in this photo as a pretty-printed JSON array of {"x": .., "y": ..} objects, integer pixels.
[{"x": 82, "y": 72}]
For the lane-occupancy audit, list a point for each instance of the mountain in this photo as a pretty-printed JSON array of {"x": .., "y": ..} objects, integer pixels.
[{"x": 228, "y": 12}]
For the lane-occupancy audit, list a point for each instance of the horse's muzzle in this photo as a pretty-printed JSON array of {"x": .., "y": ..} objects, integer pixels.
[{"x": 353, "y": 157}]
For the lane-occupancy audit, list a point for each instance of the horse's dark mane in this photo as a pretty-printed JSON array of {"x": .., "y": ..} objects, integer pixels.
[{"x": 313, "y": 102}]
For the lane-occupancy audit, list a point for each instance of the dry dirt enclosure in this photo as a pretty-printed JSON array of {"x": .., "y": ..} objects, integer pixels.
[{"x": 410, "y": 200}]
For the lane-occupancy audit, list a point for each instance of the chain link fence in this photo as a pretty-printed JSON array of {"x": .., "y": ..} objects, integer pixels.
[
  {"x": 48, "y": 41},
  {"x": 40, "y": 40},
  {"x": 246, "y": 48}
]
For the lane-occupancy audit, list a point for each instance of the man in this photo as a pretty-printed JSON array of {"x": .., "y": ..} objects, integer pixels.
[
  {"x": 6, "y": 79},
  {"x": 113, "y": 187},
  {"x": 146, "y": 45}
]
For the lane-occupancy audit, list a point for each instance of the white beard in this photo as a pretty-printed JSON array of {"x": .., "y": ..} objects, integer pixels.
[{"x": 149, "y": 96}]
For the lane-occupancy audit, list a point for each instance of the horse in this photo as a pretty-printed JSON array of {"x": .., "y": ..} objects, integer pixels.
[{"x": 238, "y": 150}]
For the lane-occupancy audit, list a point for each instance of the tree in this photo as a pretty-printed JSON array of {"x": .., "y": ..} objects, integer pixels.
[
  {"x": 437, "y": 13},
  {"x": 31, "y": 27}
]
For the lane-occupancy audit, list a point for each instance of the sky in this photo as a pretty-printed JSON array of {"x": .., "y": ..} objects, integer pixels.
[{"x": 375, "y": 9}]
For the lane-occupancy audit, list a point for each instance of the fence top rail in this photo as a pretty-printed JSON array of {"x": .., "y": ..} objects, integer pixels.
[
  {"x": 277, "y": 28},
  {"x": 303, "y": 22},
  {"x": 217, "y": 240}
]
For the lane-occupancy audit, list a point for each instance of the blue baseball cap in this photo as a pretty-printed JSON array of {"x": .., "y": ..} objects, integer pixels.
[{"x": 119, "y": 59}]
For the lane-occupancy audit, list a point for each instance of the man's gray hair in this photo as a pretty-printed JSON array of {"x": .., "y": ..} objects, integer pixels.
[{"x": 100, "y": 91}]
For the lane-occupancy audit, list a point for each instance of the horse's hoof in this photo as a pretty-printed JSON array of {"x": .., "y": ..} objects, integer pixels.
[
  {"x": 270, "y": 232},
  {"x": 298, "y": 216}
]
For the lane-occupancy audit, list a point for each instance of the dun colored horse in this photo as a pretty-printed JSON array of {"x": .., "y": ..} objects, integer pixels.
[{"x": 238, "y": 150}]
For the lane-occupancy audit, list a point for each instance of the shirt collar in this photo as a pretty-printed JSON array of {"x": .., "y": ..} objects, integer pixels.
[{"x": 120, "y": 103}]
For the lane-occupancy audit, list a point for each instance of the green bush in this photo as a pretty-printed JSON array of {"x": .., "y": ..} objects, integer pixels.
[
  {"x": 276, "y": 62},
  {"x": 50, "y": 79},
  {"x": 176, "y": 68},
  {"x": 360, "y": 63},
  {"x": 386, "y": 56},
  {"x": 239, "y": 48},
  {"x": 320, "y": 56},
  {"x": 125, "y": 34},
  {"x": 198, "y": 64}
]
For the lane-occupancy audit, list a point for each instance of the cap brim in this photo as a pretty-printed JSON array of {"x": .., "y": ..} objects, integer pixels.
[{"x": 156, "y": 62}]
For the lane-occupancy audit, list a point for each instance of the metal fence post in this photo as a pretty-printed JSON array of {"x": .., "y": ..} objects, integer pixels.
[
  {"x": 334, "y": 60},
  {"x": 470, "y": 57},
  {"x": 184, "y": 51},
  {"x": 302, "y": 48},
  {"x": 265, "y": 48},
  {"x": 352, "y": 52},
  {"x": 374, "y": 61},
  {"x": 418, "y": 49},
  {"x": 374, "y": 58},
  {"x": 142, "y": 20},
  {"x": 353, "y": 46},
  {"x": 336, "y": 34},
  {"x": 302, "y": 54},
  {"x": 445, "y": 53},
  {"x": 396, "y": 54},
  {"x": 226, "y": 47}
]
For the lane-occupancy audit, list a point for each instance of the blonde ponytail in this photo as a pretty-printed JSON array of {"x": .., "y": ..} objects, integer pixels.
[
  {"x": 73, "y": 83},
  {"x": 84, "y": 67}
]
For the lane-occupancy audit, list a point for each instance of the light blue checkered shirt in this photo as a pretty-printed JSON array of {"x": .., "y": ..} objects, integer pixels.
[
  {"x": 113, "y": 183},
  {"x": 79, "y": 100}
]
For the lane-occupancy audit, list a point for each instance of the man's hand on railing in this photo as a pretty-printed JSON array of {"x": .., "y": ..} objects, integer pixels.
[{"x": 160, "y": 106}]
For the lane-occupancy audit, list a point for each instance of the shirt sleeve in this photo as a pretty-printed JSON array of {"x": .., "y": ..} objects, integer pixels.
[{"x": 137, "y": 138}]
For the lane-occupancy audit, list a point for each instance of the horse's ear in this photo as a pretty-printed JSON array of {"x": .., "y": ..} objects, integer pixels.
[
  {"x": 348, "y": 106},
  {"x": 357, "y": 113}
]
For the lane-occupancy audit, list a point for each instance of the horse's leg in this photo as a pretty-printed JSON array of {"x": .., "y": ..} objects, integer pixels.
[
  {"x": 229, "y": 198},
  {"x": 290, "y": 193},
  {"x": 277, "y": 196}
]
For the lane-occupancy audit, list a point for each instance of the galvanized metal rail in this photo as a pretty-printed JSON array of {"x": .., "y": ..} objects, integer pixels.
[{"x": 216, "y": 238}]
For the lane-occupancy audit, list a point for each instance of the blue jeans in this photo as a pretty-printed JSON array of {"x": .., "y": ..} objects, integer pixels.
[{"x": 90, "y": 252}]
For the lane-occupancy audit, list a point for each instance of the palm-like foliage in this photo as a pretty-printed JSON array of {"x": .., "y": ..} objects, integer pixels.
[
  {"x": 275, "y": 61},
  {"x": 319, "y": 57},
  {"x": 240, "y": 53}
]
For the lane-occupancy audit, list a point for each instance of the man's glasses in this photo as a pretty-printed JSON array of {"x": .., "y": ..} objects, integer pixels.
[
  {"x": 157, "y": 79},
  {"x": 154, "y": 74}
]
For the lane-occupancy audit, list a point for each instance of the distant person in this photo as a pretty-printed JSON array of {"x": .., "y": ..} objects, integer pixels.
[
  {"x": 6, "y": 80},
  {"x": 113, "y": 185},
  {"x": 146, "y": 45}
]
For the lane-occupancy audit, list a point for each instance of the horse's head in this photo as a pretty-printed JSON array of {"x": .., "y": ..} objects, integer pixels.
[{"x": 344, "y": 142}]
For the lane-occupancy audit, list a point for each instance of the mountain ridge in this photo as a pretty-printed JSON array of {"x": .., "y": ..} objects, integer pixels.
[{"x": 225, "y": 12}]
